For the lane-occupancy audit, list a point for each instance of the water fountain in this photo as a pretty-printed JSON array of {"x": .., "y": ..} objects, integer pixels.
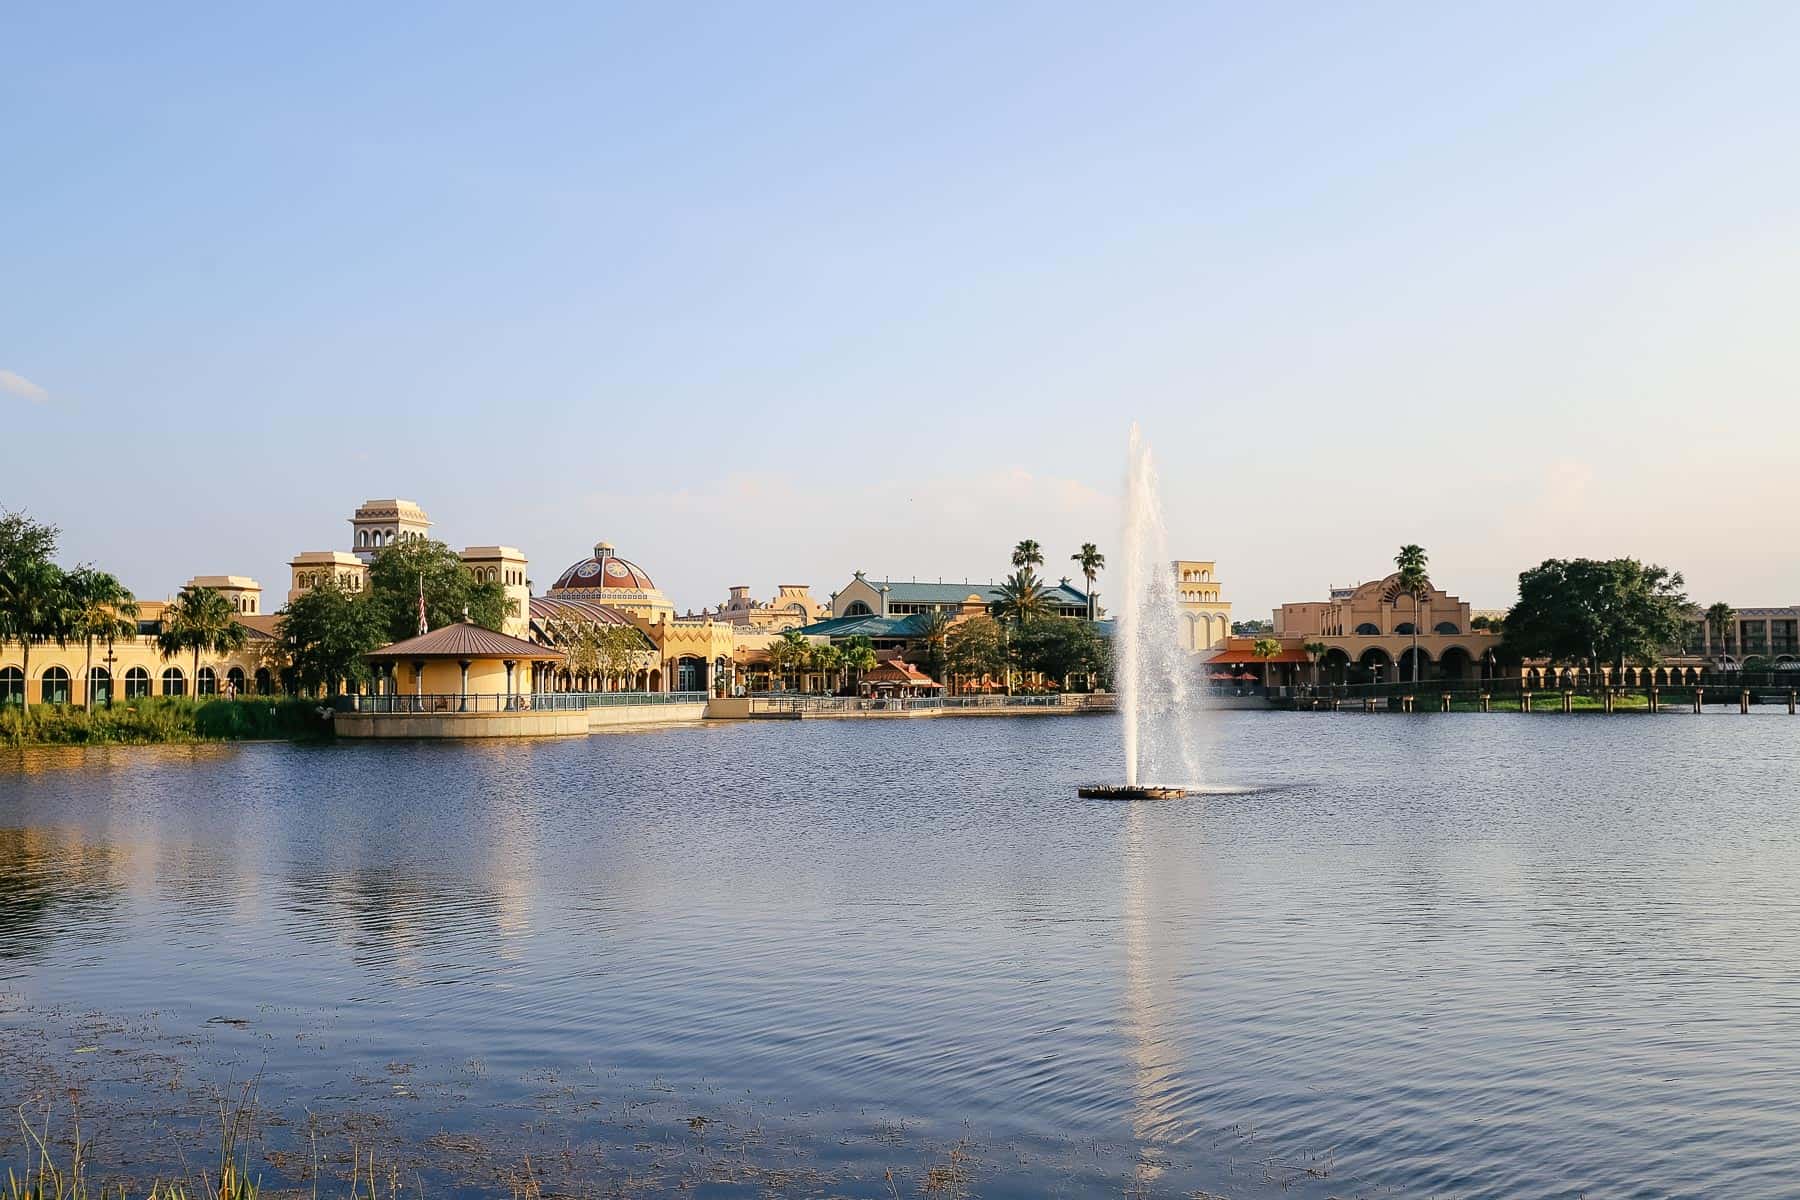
[{"x": 1154, "y": 674}]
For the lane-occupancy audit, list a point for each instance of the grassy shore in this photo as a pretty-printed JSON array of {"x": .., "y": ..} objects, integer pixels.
[{"x": 160, "y": 719}]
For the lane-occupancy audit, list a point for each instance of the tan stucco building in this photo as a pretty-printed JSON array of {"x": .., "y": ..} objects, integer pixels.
[
  {"x": 1367, "y": 631},
  {"x": 1206, "y": 618}
]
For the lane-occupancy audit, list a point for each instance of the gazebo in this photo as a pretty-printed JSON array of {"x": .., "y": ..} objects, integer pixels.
[
  {"x": 462, "y": 668},
  {"x": 897, "y": 677}
]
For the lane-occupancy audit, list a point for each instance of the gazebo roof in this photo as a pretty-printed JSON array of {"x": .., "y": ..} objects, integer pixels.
[{"x": 465, "y": 641}]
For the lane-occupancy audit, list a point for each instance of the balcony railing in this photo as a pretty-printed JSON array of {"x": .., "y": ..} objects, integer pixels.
[{"x": 490, "y": 702}]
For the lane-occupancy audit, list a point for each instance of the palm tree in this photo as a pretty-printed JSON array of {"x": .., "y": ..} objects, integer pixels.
[
  {"x": 101, "y": 609},
  {"x": 200, "y": 618},
  {"x": 1318, "y": 650},
  {"x": 788, "y": 652},
  {"x": 1021, "y": 597},
  {"x": 1265, "y": 649},
  {"x": 1027, "y": 554},
  {"x": 859, "y": 655},
  {"x": 34, "y": 603},
  {"x": 826, "y": 659},
  {"x": 933, "y": 633},
  {"x": 1719, "y": 619},
  {"x": 1414, "y": 582},
  {"x": 1091, "y": 562}
]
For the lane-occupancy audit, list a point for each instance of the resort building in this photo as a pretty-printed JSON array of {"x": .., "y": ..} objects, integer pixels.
[
  {"x": 134, "y": 667},
  {"x": 378, "y": 523},
  {"x": 792, "y": 607},
  {"x": 1772, "y": 634},
  {"x": 1206, "y": 619},
  {"x": 684, "y": 655},
  {"x": 1366, "y": 631}
]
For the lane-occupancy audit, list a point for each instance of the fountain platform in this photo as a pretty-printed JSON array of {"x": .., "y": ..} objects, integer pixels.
[{"x": 1127, "y": 792}]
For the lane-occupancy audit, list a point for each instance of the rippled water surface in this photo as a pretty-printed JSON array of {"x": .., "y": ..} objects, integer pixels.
[{"x": 1461, "y": 955}]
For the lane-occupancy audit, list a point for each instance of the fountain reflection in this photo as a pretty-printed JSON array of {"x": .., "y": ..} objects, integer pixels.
[{"x": 1157, "y": 1101}]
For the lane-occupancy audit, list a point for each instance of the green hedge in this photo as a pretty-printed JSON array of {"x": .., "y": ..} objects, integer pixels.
[{"x": 164, "y": 719}]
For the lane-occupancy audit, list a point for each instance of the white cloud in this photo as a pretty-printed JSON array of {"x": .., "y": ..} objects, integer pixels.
[{"x": 14, "y": 384}]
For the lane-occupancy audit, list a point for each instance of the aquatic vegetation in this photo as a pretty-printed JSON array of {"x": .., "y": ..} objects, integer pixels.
[{"x": 153, "y": 719}]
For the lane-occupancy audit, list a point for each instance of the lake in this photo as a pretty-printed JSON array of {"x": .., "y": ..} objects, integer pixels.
[{"x": 1452, "y": 955}]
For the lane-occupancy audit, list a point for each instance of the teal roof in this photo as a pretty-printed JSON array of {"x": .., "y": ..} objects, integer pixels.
[
  {"x": 869, "y": 627},
  {"x": 903, "y": 592}
]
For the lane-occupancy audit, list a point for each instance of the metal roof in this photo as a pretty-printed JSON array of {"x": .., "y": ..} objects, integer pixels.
[
  {"x": 463, "y": 640},
  {"x": 905, "y": 592},
  {"x": 872, "y": 627}
]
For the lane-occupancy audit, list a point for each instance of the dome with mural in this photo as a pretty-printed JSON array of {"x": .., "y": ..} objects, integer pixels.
[{"x": 609, "y": 579}]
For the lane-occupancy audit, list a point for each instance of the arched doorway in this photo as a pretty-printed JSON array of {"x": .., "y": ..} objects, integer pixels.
[
  {"x": 12, "y": 686},
  {"x": 265, "y": 682},
  {"x": 206, "y": 682},
  {"x": 99, "y": 686},
  {"x": 137, "y": 683},
  {"x": 655, "y": 682},
  {"x": 1335, "y": 665},
  {"x": 1455, "y": 664},
  {"x": 1407, "y": 674},
  {"x": 690, "y": 674},
  {"x": 235, "y": 677},
  {"x": 1375, "y": 666}
]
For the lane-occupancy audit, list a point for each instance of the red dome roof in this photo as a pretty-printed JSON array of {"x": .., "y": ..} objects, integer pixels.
[{"x": 603, "y": 569}]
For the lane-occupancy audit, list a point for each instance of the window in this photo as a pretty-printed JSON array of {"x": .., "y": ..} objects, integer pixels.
[
  {"x": 1446, "y": 627},
  {"x": 206, "y": 683},
  {"x": 137, "y": 683},
  {"x": 235, "y": 677},
  {"x": 12, "y": 686},
  {"x": 1406, "y": 627},
  {"x": 1367, "y": 630},
  {"x": 99, "y": 686},
  {"x": 265, "y": 683},
  {"x": 174, "y": 683},
  {"x": 858, "y": 609},
  {"x": 55, "y": 686}
]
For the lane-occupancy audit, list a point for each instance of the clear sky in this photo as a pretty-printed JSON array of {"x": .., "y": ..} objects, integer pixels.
[{"x": 770, "y": 293}]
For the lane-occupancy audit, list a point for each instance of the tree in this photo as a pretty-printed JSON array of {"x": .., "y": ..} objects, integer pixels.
[
  {"x": 24, "y": 540},
  {"x": 1027, "y": 554},
  {"x": 1251, "y": 628},
  {"x": 788, "y": 654},
  {"x": 100, "y": 609},
  {"x": 1414, "y": 582},
  {"x": 1021, "y": 597},
  {"x": 976, "y": 648},
  {"x": 325, "y": 633},
  {"x": 825, "y": 658},
  {"x": 1601, "y": 611},
  {"x": 1265, "y": 648},
  {"x": 619, "y": 648},
  {"x": 932, "y": 635},
  {"x": 451, "y": 590},
  {"x": 1060, "y": 649},
  {"x": 1317, "y": 650},
  {"x": 200, "y": 619},
  {"x": 34, "y": 603},
  {"x": 1091, "y": 562},
  {"x": 859, "y": 656},
  {"x": 1720, "y": 618}
]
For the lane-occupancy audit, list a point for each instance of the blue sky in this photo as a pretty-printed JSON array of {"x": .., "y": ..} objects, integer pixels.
[{"x": 772, "y": 293}]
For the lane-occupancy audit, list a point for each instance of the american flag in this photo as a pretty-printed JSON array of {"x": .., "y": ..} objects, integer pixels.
[{"x": 423, "y": 630}]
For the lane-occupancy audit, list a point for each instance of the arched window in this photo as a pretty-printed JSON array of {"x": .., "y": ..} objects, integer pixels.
[
  {"x": 174, "y": 683},
  {"x": 362, "y": 537},
  {"x": 1446, "y": 627},
  {"x": 1406, "y": 627},
  {"x": 235, "y": 677},
  {"x": 206, "y": 683},
  {"x": 858, "y": 609},
  {"x": 99, "y": 687},
  {"x": 137, "y": 683},
  {"x": 12, "y": 686},
  {"x": 1367, "y": 630},
  {"x": 54, "y": 688},
  {"x": 265, "y": 683}
]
